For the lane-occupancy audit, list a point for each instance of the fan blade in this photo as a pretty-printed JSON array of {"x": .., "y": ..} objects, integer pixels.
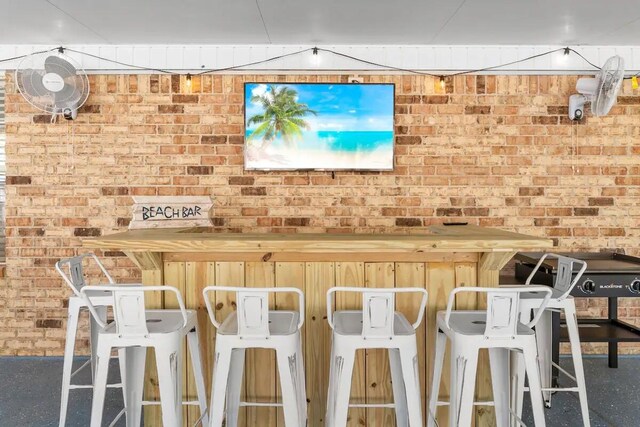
[
  {"x": 57, "y": 65},
  {"x": 30, "y": 82},
  {"x": 69, "y": 96}
]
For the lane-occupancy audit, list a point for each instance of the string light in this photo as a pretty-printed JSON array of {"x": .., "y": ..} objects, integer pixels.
[
  {"x": 442, "y": 82},
  {"x": 188, "y": 80},
  {"x": 567, "y": 51},
  {"x": 315, "y": 50}
]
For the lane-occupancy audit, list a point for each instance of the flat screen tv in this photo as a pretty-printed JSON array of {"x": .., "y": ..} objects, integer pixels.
[{"x": 318, "y": 126}]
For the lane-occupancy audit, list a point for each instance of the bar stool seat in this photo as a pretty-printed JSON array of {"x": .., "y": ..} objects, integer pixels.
[
  {"x": 72, "y": 271},
  {"x": 473, "y": 323},
  {"x": 280, "y": 323},
  {"x": 135, "y": 329},
  {"x": 561, "y": 301},
  {"x": 498, "y": 329},
  {"x": 161, "y": 322},
  {"x": 376, "y": 326},
  {"x": 349, "y": 322},
  {"x": 253, "y": 325}
]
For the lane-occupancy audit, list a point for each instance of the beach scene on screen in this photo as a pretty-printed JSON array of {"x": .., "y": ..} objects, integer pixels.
[{"x": 319, "y": 126}]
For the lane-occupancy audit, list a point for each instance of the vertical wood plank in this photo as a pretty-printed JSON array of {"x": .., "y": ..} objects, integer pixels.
[
  {"x": 319, "y": 277},
  {"x": 412, "y": 275},
  {"x": 466, "y": 275},
  {"x": 229, "y": 274},
  {"x": 440, "y": 282},
  {"x": 352, "y": 274},
  {"x": 260, "y": 364},
  {"x": 152, "y": 413},
  {"x": 288, "y": 274},
  {"x": 379, "y": 388},
  {"x": 196, "y": 280},
  {"x": 175, "y": 275},
  {"x": 207, "y": 330}
]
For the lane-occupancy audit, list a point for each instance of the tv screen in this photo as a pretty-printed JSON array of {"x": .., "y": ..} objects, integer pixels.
[{"x": 320, "y": 126}]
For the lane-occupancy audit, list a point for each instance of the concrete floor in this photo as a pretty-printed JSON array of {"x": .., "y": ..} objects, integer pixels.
[{"x": 30, "y": 393}]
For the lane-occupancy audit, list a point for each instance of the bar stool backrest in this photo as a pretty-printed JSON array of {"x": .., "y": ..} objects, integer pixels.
[
  {"x": 502, "y": 308},
  {"x": 129, "y": 311},
  {"x": 378, "y": 309},
  {"x": 253, "y": 314},
  {"x": 72, "y": 271},
  {"x": 502, "y": 314},
  {"x": 378, "y": 314},
  {"x": 565, "y": 280},
  {"x": 252, "y": 308}
]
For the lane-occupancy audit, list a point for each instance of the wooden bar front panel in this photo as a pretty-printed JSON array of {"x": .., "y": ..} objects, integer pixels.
[{"x": 371, "y": 381}]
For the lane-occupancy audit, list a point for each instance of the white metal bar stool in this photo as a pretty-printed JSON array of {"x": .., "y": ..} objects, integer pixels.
[
  {"x": 133, "y": 330},
  {"x": 377, "y": 325},
  {"x": 561, "y": 301},
  {"x": 253, "y": 325},
  {"x": 498, "y": 329},
  {"x": 73, "y": 272}
]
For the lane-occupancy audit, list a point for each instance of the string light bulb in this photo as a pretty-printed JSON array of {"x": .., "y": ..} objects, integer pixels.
[
  {"x": 188, "y": 80},
  {"x": 315, "y": 50},
  {"x": 634, "y": 82},
  {"x": 567, "y": 51},
  {"x": 442, "y": 82}
]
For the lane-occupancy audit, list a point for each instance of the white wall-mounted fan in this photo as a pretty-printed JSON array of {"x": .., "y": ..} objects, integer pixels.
[
  {"x": 53, "y": 82},
  {"x": 601, "y": 91}
]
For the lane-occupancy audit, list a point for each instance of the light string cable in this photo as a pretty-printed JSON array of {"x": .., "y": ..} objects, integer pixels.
[
  {"x": 15, "y": 58},
  {"x": 315, "y": 50}
]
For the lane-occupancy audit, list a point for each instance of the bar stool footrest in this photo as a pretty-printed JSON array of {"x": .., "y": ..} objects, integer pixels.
[
  {"x": 372, "y": 405},
  {"x": 261, "y": 404},
  {"x": 157, "y": 402},
  {"x": 481, "y": 403}
]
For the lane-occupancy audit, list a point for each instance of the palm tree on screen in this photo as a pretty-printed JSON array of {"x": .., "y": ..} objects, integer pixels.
[{"x": 282, "y": 115}]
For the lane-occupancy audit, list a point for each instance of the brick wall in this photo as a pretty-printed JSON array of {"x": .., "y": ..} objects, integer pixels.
[{"x": 496, "y": 150}]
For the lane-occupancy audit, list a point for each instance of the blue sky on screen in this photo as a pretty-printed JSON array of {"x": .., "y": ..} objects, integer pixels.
[{"x": 340, "y": 107}]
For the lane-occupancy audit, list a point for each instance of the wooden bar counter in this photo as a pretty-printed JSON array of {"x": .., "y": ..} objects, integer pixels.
[{"x": 440, "y": 259}]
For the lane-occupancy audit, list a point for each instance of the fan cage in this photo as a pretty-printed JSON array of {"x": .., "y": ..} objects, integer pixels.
[{"x": 35, "y": 63}]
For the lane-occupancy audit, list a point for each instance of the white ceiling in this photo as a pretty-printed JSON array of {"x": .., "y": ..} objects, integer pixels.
[{"x": 368, "y": 22}]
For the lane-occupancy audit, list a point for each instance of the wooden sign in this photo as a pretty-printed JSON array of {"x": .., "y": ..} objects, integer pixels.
[{"x": 171, "y": 211}]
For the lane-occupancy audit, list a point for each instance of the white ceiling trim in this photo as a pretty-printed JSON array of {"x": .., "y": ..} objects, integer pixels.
[{"x": 436, "y": 59}]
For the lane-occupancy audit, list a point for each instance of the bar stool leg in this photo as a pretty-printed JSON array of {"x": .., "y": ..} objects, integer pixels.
[
  {"x": 93, "y": 337},
  {"x": 133, "y": 383},
  {"x": 441, "y": 345},
  {"x": 344, "y": 360},
  {"x": 518, "y": 374},
  {"x": 576, "y": 355},
  {"x": 302, "y": 384},
  {"x": 69, "y": 348},
  {"x": 288, "y": 371},
  {"x": 499, "y": 358},
  {"x": 103, "y": 356},
  {"x": 464, "y": 364},
  {"x": 331, "y": 390},
  {"x": 410, "y": 372},
  {"x": 535, "y": 390},
  {"x": 222, "y": 365},
  {"x": 399, "y": 390},
  {"x": 196, "y": 363},
  {"x": 234, "y": 386},
  {"x": 169, "y": 358},
  {"x": 544, "y": 341}
]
